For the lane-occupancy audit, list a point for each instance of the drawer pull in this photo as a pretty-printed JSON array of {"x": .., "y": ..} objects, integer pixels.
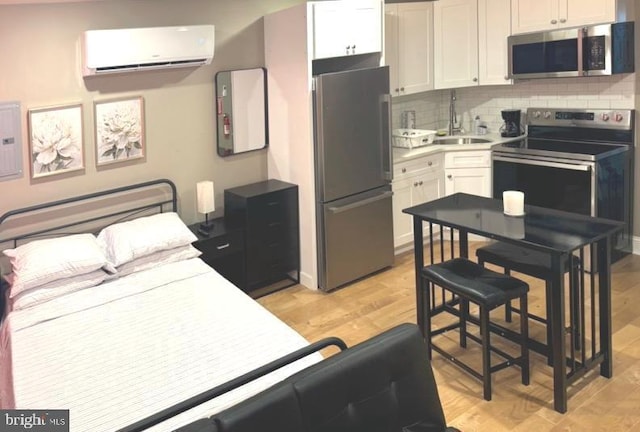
[
  {"x": 224, "y": 246},
  {"x": 273, "y": 203}
]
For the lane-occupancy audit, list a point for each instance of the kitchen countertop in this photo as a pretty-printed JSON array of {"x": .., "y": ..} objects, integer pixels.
[{"x": 403, "y": 155}]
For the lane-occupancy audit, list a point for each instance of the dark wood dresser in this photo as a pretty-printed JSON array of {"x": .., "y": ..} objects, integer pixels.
[{"x": 267, "y": 211}]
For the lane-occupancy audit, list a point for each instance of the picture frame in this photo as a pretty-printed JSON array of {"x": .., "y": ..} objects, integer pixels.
[
  {"x": 55, "y": 140},
  {"x": 119, "y": 130}
]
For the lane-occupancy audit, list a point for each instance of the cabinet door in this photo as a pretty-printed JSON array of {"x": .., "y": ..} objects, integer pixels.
[
  {"x": 584, "y": 12},
  {"x": 476, "y": 181},
  {"x": 533, "y": 15},
  {"x": 494, "y": 26},
  {"x": 409, "y": 192},
  {"x": 391, "y": 46},
  {"x": 415, "y": 42},
  {"x": 342, "y": 28},
  {"x": 364, "y": 24},
  {"x": 330, "y": 30},
  {"x": 402, "y": 222},
  {"x": 455, "y": 43}
]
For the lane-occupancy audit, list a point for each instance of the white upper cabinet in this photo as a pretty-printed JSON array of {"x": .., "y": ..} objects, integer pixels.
[
  {"x": 455, "y": 43},
  {"x": 537, "y": 15},
  {"x": 494, "y": 27},
  {"x": 342, "y": 28},
  {"x": 409, "y": 47},
  {"x": 470, "y": 42}
]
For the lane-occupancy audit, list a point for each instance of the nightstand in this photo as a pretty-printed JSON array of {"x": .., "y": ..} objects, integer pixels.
[
  {"x": 267, "y": 211},
  {"x": 223, "y": 250}
]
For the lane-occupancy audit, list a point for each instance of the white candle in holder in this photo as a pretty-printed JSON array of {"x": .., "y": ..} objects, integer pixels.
[{"x": 513, "y": 203}]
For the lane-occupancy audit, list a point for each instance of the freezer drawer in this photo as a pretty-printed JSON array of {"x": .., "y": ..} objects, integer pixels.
[{"x": 356, "y": 238}]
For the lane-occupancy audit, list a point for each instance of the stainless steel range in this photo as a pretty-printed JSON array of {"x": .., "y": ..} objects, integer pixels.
[{"x": 574, "y": 160}]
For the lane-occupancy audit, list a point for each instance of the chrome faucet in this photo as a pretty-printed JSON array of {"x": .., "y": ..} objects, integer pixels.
[{"x": 453, "y": 117}]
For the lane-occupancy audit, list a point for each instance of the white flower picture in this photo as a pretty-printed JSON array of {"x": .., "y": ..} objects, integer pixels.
[
  {"x": 55, "y": 137},
  {"x": 119, "y": 130}
]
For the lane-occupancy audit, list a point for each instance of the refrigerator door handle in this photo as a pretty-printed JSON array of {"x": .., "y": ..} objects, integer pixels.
[
  {"x": 387, "y": 150},
  {"x": 361, "y": 203}
]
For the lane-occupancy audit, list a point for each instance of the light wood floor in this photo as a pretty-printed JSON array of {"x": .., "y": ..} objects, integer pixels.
[{"x": 366, "y": 308}]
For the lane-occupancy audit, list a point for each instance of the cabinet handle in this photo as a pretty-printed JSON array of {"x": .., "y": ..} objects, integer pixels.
[
  {"x": 475, "y": 80},
  {"x": 404, "y": 170},
  {"x": 353, "y": 49},
  {"x": 273, "y": 203},
  {"x": 348, "y": 48},
  {"x": 224, "y": 246},
  {"x": 429, "y": 163},
  {"x": 420, "y": 183},
  {"x": 450, "y": 176},
  {"x": 554, "y": 21},
  {"x": 415, "y": 184},
  {"x": 563, "y": 20},
  {"x": 401, "y": 89},
  {"x": 506, "y": 78},
  {"x": 397, "y": 90}
]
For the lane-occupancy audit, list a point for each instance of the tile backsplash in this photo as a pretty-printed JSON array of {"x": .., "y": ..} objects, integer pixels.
[{"x": 432, "y": 107}]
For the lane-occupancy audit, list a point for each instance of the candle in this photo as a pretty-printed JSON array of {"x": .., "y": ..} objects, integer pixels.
[{"x": 513, "y": 203}]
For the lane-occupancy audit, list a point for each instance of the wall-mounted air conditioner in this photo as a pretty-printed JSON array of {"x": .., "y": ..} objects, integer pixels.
[{"x": 126, "y": 50}]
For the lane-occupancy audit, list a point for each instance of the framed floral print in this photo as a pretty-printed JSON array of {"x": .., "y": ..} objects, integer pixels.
[
  {"x": 55, "y": 140},
  {"x": 119, "y": 130}
]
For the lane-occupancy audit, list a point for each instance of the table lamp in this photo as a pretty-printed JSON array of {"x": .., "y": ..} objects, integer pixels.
[{"x": 206, "y": 204}]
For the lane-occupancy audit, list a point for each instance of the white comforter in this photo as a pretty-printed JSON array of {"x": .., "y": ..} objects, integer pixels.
[{"x": 123, "y": 350}]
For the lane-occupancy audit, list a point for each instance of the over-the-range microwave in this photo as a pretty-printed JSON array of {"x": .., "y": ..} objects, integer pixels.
[{"x": 582, "y": 51}]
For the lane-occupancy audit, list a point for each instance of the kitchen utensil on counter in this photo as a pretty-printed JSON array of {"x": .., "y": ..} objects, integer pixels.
[
  {"x": 511, "y": 126},
  {"x": 412, "y": 138}
]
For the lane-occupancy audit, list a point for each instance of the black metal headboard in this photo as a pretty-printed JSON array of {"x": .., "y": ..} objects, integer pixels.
[{"x": 127, "y": 208}]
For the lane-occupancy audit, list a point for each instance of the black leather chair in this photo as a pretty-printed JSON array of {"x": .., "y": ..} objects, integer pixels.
[
  {"x": 538, "y": 265},
  {"x": 384, "y": 384},
  {"x": 470, "y": 282}
]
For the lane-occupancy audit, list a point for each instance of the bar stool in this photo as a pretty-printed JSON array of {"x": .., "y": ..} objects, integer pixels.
[
  {"x": 536, "y": 264},
  {"x": 470, "y": 282}
]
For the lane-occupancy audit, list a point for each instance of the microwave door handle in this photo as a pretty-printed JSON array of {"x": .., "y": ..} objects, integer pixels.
[{"x": 581, "y": 40}]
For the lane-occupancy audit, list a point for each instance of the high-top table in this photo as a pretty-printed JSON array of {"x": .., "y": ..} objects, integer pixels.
[{"x": 557, "y": 233}]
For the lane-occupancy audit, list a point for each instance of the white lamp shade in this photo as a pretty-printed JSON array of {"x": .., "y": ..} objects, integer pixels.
[{"x": 205, "y": 197}]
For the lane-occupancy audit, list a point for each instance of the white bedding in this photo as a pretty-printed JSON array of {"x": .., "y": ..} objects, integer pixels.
[{"x": 125, "y": 349}]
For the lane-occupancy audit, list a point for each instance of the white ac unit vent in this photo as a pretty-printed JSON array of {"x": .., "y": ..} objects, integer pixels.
[{"x": 126, "y": 50}]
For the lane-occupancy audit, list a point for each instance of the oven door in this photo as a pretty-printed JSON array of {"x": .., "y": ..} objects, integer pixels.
[{"x": 563, "y": 185}]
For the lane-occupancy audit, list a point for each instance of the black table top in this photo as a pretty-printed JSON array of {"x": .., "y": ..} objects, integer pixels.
[{"x": 540, "y": 228}]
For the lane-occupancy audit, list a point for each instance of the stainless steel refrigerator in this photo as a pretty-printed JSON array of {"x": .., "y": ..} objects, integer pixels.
[{"x": 353, "y": 163}]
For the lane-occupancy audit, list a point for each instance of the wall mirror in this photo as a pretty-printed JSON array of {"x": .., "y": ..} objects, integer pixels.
[{"x": 241, "y": 110}]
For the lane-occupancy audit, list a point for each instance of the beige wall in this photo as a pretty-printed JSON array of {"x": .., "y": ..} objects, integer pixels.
[{"x": 40, "y": 67}]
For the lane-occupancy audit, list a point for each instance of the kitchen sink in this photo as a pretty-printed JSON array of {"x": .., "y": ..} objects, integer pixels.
[{"x": 461, "y": 140}]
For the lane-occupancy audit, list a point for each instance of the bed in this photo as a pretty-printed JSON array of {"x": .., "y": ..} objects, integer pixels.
[{"x": 147, "y": 336}]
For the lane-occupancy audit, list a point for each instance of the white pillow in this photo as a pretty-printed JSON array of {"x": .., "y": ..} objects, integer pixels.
[
  {"x": 57, "y": 288},
  {"x": 43, "y": 261},
  {"x": 123, "y": 242},
  {"x": 180, "y": 253}
]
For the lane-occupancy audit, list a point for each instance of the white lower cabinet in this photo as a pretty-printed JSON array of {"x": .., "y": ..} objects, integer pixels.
[
  {"x": 468, "y": 172},
  {"x": 415, "y": 182}
]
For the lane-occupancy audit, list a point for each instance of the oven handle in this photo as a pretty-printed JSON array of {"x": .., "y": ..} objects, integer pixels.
[{"x": 580, "y": 167}]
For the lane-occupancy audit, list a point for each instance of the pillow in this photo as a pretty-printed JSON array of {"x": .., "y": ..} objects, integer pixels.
[
  {"x": 43, "y": 261},
  {"x": 123, "y": 242},
  {"x": 158, "y": 258},
  {"x": 57, "y": 288}
]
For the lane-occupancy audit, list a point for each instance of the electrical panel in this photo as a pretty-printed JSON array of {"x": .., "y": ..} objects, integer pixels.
[{"x": 10, "y": 141}]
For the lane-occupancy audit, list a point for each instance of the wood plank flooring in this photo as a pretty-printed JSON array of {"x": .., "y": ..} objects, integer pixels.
[{"x": 365, "y": 308}]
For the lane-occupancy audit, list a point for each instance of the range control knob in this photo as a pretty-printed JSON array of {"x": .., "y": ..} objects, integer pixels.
[
  {"x": 536, "y": 114},
  {"x": 547, "y": 115},
  {"x": 618, "y": 117},
  {"x": 604, "y": 117}
]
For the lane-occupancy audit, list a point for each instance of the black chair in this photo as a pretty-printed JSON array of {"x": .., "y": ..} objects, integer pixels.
[
  {"x": 470, "y": 282},
  {"x": 536, "y": 264}
]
